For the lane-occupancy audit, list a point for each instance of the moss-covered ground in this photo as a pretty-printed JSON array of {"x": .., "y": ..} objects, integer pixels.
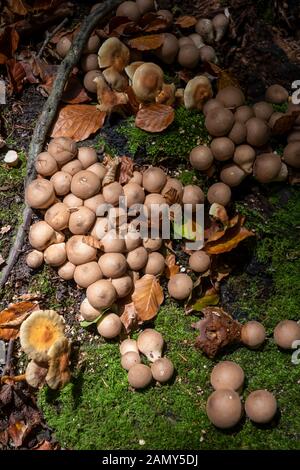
[{"x": 97, "y": 410}]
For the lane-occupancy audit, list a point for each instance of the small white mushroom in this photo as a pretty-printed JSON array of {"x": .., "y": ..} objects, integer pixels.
[
  {"x": 150, "y": 343},
  {"x": 11, "y": 158}
]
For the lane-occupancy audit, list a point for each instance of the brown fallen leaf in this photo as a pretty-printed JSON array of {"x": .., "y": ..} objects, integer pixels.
[
  {"x": 129, "y": 317},
  {"x": 44, "y": 445},
  {"x": 209, "y": 297},
  {"x": 16, "y": 75},
  {"x": 155, "y": 117},
  {"x": 285, "y": 123},
  {"x": 154, "y": 23},
  {"x": 92, "y": 241},
  {"x": 125, "y": 169},
  {"x": 18, "y": 431},
  {"x": 147, "y": 297},
  {"x": 18, "y": 6},
  {"x": 111, "y": 164},
  {"x": 78, "y": 121},
  {"x": 171, "y": 267},
  {"x": 225, "y": 77},
  {"x": 9, "y": 41},
  {"x": 147, "y": 43},
  {"x": 12, "y": 317},
  {"x": 186, "y": 21},
  {"x": 74, "y": 92},
  {"x": 229, "y": 240},
  {"x": 109, "y": 100},
  {"x": 172, "y": 196}
]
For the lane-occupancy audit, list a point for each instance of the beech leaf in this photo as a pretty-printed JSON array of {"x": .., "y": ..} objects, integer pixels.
[
  {"x": 147, "y": 43},
  {"x": 210, "y": 297},
  {"x": 78, "y": 121},
  {"x": 155, "y": 117},
  {"x": 12, "y": 317},
  {"x": 129, "y": 317},
  {"x": 147, "y": 297},
  {"x": 171, "y": 267},
  {"x": 186, "y": 21}
]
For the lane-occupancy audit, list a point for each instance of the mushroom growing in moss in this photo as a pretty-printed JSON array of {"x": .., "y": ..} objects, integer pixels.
[
  {"x": 147, "y": 82},
  {"x": 197, "y": 92}
]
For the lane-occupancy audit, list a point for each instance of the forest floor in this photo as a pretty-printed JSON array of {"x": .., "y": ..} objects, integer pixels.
[{"x": 97, "y": 410}]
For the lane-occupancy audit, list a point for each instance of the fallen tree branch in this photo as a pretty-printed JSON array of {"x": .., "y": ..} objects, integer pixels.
[{"x": 46, "y": 117}]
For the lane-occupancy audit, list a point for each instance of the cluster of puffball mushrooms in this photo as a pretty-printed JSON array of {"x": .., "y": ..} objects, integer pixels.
[
  {"x": 150, "y": 343},
  {"x": 224, "y": 407}
]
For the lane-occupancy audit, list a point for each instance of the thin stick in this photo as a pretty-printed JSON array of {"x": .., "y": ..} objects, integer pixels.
[
  {"x": 47, "y": 115},
  {"x": 10, "y": 350},
  {"x": 50, "y": 36}
]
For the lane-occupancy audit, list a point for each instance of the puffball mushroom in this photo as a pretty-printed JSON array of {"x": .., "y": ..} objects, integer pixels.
[
  {"x": 41, "y": 235},
  {"x": 128, "y": 345},
  {"x": 87, "y": 156},
  {"x": 57, "y": 216},
  {"x": 116, "y": 80},
  {"x": 291, "y": 154},
  {"x": 130, "y": 10},
  {"x": 72, "y": 167},
  {"x": 232, "y": 175},
  {"x": 112, "y": 192},
  {"x": 61, "y": 182},
  {"x": 39, "y": 194},
  {"x": 166, "y": 15},
  {"x": 188, "y": 56},
  {"x": 113, "y": 243},
  {"x": 66, "y": 271},
  {"x": 201, "y": 157},
  {"x": 154, "y": 179},
  {"x": 199, "y": 261},
  {"x": 204, "y": 27},
  {"x": 238, "y": 133},
  {"x": 63, "y": 149},
  {"x": 89, "y": 62},
  {"x": 109, "y": 326},
  {"x": 34, "y": 259},
  {"x": 92, "y": 44},
  {"x": 152, "y": 244},
  {"x": 147, "y": 82},
  {"x": 220, "y": 24},
  {"x": 180, "y": 286},
  {"x": 155, "y": 264},
  {"x": 134, "y": 194},
  {"x": 244, "y": 157},
  {"x": 79, "y": 252},
  {"x": 253, "y": 334},
  {"x": 55, "y": 255},
  {"x": 173, "y": 183},
  {"x": 150, "y": 343},
  {"x": 231, "y": 97},
  {"x": 113, "y": 265},
  {"x": 227, "y": 375},
  {"x": 81, "y": 220},
  {"x": 101, "y": 294},
  {"x": 210, "y": 105},
  {"x": 286, "y": 332},
  {"x": 123, "y": 286},
  {"x": 63, "y": 46},
  {"x": 87, "y": 273},
  {"x": 224, "y": 408},
  {"x": 98, "y": 169},
  {"x": 85, "y": 184},
  {"x": 207, "y": 54},
  {"x": 162, "y": 370},
  {"x": 94, "y": 203},
  {"x": 193, "y": 195},
  {"x": 261, "y": 406},
  {"x": 258, "y": 132},
  {"x": 197, "y": 40},
  {"x": 88, "y": 312},
  {"x": 185, "y": 41},
  {"x": 113, "y": 53},
  {"x": 219, "y": 122},
  {"x": 129, "y": 359},
  {"x": 139, "y": 376},
  {"x": 137, "y": 259},
  {"x": 243, "y": 113},
  {"x": 266, "y": 167},
  {"x": 88, "y": 80},
  {"x": 263, "y": 110},
  {"x": 45, "y": 164},
  {"x": 276, "y": 94},
  {"x": 100, "y": 228},
  {"x": 222, "y": 148},
  {"x": 72, "y": 201},
  {"x": 219, "y": 193},
  {"x": 197, "y": 91},
  {"x": 169, "y": 49},
  {"x": 145, "y": 6}
]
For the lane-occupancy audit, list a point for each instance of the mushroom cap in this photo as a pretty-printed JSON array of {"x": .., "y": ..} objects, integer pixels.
[
  {"x": 199, "y": 261},
  {"x": 139, "y": 376},
  {"x": 81, "y": 220},
  {"x": 227, "y": 375},
  {"x": 63, "y": 46},
  {"x": 180, "y": 286},
  {"x": 201, "y": 157},
  {"x": 152, "y": 244},
  {"x": 66, "y": 271},
  {"x": 219, "y": 122},
  {"x": 173, "y": 183},
  {"x": 39, "y": 332},
  {"x": 61, "y": 182},
  {"x": 162, "y": 370},
  {"x": 193, "y": 195},
  {"x": 197, "y": 39},
  {"x": 112, "y": 192},
  {"x": 263, "y": 110},
  {"x": 94, "y": 203},
  {"x": 129, "y": 359},
  {"x": 204, "y": 27},
  {"x": 238, "y": 133},
  {"x": 109, "y": 325},
  {"x": 39, "y": 194},
  {"x": 88, "y": 312},
  {"x": 100, "y": 228},
  {"x": 197, "y": 91},
  {"x": 294, "y": 136},
  {"x": 63, "y": 149},
  {"x": 166, "y": 14},
  {"x": 55, "y": 255},
  {"x": 72, "y": 201},
  {"x": 41, "y": 235},
  {"x": 253, "y": 334},
  {"x": 92, "y": 44},
  {"x": 87, "y": 273},
  {"x": 123, "y": 285},
  {"x": 210, "y": 105},
  {"x": 155, "y": 264},
  {"x": 113, "y": 265},
  {"x": 154, "y": 179},
  {"x": 116, "y": 80},
  {"x": 188, "y": 55},
  {"x": 72, "y": 167},
  {"x": 88, "y": 80},
  {"x": 291, "y": 154},
  {"x": 89, "y": 62},
  {"x": 57, "y": 216},
  {"x": 134, "y": 194},
  {"x": 85, "y": 184},
  {"x": 131, "y": 68},
  {"x": 220, "y": 24},
  {"x": 207, "y": 54},
  {"x": 79, "y": 252},
  {"x": 45, "y": 164},
  {"x": 145, "y": 6},
  {"x": 150, "y": 343},
  {"x": 276, "y": 94},
  {"x": 168, "y": 51},
  {"x": 222, "y": 148},
  {"x": 101, "y": 294},
  {"x": 244, "y": 156},
  {"x": 137, "y": 258},
  {"x": 87, "y": 156},
  {"x": 147, "y": 82},
  {"x": 261, "y": 406},
  {"x": 276, "y": 115},
  {"x": 113, "y": 53},
  {"x": 266, "y": 167},
  {"x": 130, "y": 10},
  {"x": 258, "y": 132},
  {"x": 231, "y": 97},
  {"x": 232, "y": 175},
  {"x": 219, "y": 193},
  {"x": 243, "y": 113},
  {"x": 36, "y": 374},
  {"x": 285, "y": 333},
  {"x": 98, "y": 169},
  {"x": 224, "y": 408},
  {"x": 34, "y": 259},
  {"x": 128, "y": 345},
  {"x": 186, "y": 41}
]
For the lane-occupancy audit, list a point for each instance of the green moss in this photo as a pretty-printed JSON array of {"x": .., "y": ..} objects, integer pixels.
[
  {"x": 175, "y": 143},
  {"x": 13, "y": 175},
  {"x": 280, "y": 108},
  {"x": 102, "y": 144}
]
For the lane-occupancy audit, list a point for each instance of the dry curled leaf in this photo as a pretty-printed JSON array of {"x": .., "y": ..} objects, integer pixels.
[
  {"x": 78, "y": 121},
  {"x": 229, "y": 238},
  {"x": 171, "y": 267},
  {"x": 209, "y": 297},
  {"x": 225, "y": 77},
  {"x": 111, "y": 164},
  {"x": 92, "y": 241},
  {"x": 155, "y": 117},
  {"x": 147, "y": 297},
  {"x": 285, "y": 123},
  {"x": 125, "y": 170},
  {"x": 18, "y": 431},
  {"x": 12, "y": 317},
  {"x": 44, "y": 445},
  {"x": 109, "y": 100},
  {"x": 9, "y": 40},
  {"x": 186, "y": 21},
  {"x": 147, "y": 43},
  {"x": 129, "y": 317}
]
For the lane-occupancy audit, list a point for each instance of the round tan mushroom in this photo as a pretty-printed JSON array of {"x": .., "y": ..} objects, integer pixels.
[
  {"x": 243, "y": 113},
  {"x": 173, "y": 183},
  {"x": 129, "y": 359},
  {"x": 98, "y": 169},
  {"x": 291, "y": 154},
  {"x": 232, "y": 175},
  {"x": 132, "y": 239},
  {"x": 131, "y": 68},
  {"x": 166, "y": 15},
  {"x": 197, "y": 91},
  {"x": 85, "y": 184},
  {"x": 87, "y": 273},
  {"x": 113, "y": 265},
  {"x": 263, "y": 110},
  {"x": 128, "y": 345},
  {"x": 137, "y": 259},
  {"x": 139, "y": 376},
  {"x": 238, "y": 133},
  {"x": 95, "y": 203},
  {"x": 45, "y": 164},
  {"x": 204, "y": 27},
  {"x": 180, "y": 286},
  {"x": 116, "y": 80},
  {"x": 275, "y": 116},
  {"x": 283, "y": 173},
  {"x": 89, "y": 62},
  {"x": 113, "y": 53},
  {"x": 261, "y": 406},
  {"x": 192, "y": 194},
  {"x": 210, "y": 105},
  {"x": 154, "y": 206},
  {"x": 130, "y": 10},
  {"x": 207, "y": 54},
  {"x": 150, "y": 343},
  {"x": 134, "y": 194},
  {"x": 220, "y": 24},
  {"x": 253, "y": 334},
  {"x": 294, "y": 136},
  {"x": 72, "y": 167},
  {"x": 154, "y": 179},
  {"x": 201, "y": 157},
  {"x": 41, "y": 235},
  {"x": 227, "y": 375},
  {"x": 197, "y": 40},
  {"x": 258, "y": 132},
  {"x": 232, "y": 97},
  {"x": 169, "y": 49},
  {"x": 88, "y": 312},
  {"x": 199, "y": 261},
  {"x": 152, "y": 244},
  {"x": 222, "y": 148},
  {"x": 72, "y": 201},
  {"x": 57, "y": 216},
  {"x": 87, "y": 156},
  {"x": 63, "y": 46},
  {"x": 147, "y": 82},
  {"x": 123, "y": 286},
  {"x": 55, "y": 255},
  {"x": 145, "y": 6},
  {"x": 88, "y": 80},
  {"x": 219, "y": 122},
  {"x": 276, "y": 94},
  {"x": 155, "y": 264},
  {"x": 79, "y": 252},
  {"x": 34, "y": 259},
  {"x": 109, "y": 326},
  {"x": 219, "y": 193},
  {"x": 244, "y": 157},
  {"x": 286, "y": 332},
  {"x": 224, "y": 408},
  {"x": 112, "y": 192},
  {"x": 186, "y": 41},
  {"x": 81, "y": 220},
  {"x": 66, "y": 271},
  {"x": 61, "y": 182},
  {"x": 63, "y": 149},
  {"x": 266, "y": 167},
  {"x": 100, "y": 228},
  {"x": 101, "y": 294},
  {"x": 92, "y": 44},
  {"x": 162, "y": 370},
  {"x": 113, "y": 243},
  {"x": 188, "y": 56},
  {"x": 39, "y": 194}
]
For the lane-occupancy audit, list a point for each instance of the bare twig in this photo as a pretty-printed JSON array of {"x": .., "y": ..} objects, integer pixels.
[
  {"x": 10, "y": 350},
  {"x": 47, "y": 115},
  {"x": 50, "y": 36}
]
